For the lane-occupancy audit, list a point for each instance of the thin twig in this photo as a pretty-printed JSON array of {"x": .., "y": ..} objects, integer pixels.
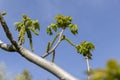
[
  {"x": 8, "y": 33},
  {"x": 88, "y": 67},
  {"x": 70, "y": 42},
  {"x": 54, "y": 40},
  {"x": 59, "y": 40}
]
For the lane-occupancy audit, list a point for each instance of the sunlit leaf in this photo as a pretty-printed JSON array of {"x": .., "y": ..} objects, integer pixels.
[
  {"x": 49, "y": 31},
  {"x": 34, "y": 31},
  {"x": 84, "y": 48},
  {"x": 26, "y": 26},
  {"x": 30, "y": 39},
  {"x": 73, "y": 29},
  {"x": 21, "y": 35},
  {"x": 36, "y": 24},
  {"x": 54, "y": 27},
  {"x": 111, "y": 72}
]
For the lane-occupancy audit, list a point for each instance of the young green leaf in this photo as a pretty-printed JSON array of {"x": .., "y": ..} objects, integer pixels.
[
  {"x": 73, "y": 29},
  {"x": 30, "y": 39},
  {"x": 84, "y": 48},
  {"x": 54, "y": 27},
  {"x": 49, "y": 31},
  {"x": 26, "y": 26},
  {"x": 48, "y": 47},
  {"x": 36, "y": 24},
  {"x": 21, "y": 35},
  {"x": 34, "y": 30}
]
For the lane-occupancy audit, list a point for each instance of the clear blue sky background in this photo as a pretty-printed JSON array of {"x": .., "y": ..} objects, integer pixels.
[{"x": 98, "y": 22}]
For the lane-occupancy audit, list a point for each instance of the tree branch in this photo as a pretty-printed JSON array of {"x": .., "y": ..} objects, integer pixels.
[
  {"x": 88, "y": 67},
  {"x": 49, "y": 66},
  {"x": 7, "y": 47},
  {"x": 7, "y": 32},
  {"x": 59, "y": 40},
  {"x": 32, "y": 57}
]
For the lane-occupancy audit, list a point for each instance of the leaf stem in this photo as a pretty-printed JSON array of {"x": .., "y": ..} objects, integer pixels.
[
  {"x": 56, "y": 45},
  {"x": 69, "y": 41},
  {"x": 53, "y": 56},
  {"x": 54, "y": 40},
  {"x": 88, "y": 67}
]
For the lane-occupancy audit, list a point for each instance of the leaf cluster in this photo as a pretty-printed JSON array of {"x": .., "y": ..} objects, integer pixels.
[
  {"x": 25, "y": 75},
  {"x": 84, "y": 48},
  {"x": 26, "y": 26},
  {"x": 111, "y": 72},
  {"x": 62, "y": 22}
]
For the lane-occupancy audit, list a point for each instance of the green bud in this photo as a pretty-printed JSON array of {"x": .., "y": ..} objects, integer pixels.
[
  {"x": 24, "y": 16},
  {"x": 3, "y": 13}
]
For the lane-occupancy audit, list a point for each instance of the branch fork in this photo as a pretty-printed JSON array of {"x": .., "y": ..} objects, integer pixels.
[
  {"x": 32, "y": 57},
  {"x": 56, "y": 45}
]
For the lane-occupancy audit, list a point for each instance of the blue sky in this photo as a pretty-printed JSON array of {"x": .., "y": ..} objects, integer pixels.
[{"x": 98, "y": 22}]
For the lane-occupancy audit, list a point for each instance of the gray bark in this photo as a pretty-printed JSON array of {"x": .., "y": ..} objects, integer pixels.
[
  {"x": 41, "y": 62},
  {"x": 32, "y": 57}
]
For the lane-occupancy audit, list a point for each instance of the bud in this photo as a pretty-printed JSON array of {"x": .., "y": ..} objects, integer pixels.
[{"x": 3, "y": 13}]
